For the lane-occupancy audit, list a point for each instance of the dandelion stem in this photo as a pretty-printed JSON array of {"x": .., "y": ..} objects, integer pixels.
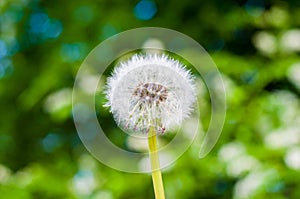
[{"x": 155, "y": 166}]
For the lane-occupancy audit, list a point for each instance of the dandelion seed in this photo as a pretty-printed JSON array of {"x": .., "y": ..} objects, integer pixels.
[{"x": 151, "y": 90}]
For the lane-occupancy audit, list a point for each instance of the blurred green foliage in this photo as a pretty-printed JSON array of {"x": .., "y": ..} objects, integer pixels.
[{"x": 255, "y": 44}]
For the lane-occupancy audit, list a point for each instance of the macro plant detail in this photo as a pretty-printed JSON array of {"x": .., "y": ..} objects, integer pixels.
[
  {"x": 151, "y": 93},
  {"x": 150, "y": 90},
  {"x": 54, "y": 63}
]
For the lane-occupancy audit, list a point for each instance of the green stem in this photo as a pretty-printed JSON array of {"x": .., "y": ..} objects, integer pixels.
[{"x": 155, "y": 166}]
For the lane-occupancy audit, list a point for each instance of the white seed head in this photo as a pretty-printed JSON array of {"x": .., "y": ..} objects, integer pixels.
[{"x": 150, "y": 90}]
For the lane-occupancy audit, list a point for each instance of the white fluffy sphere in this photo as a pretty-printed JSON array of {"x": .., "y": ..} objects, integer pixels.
[{"x": 150, "y": 90}]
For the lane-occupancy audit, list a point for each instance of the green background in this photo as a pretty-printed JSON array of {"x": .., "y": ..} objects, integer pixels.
[{"x": 254, "y": 43}]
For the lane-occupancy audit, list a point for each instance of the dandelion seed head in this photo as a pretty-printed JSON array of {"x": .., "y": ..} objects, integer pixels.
[{"x": 150, "y": 90}]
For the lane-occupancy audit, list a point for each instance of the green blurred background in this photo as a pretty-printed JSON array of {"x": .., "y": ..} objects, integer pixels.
[{"x": 255, "y": 44}]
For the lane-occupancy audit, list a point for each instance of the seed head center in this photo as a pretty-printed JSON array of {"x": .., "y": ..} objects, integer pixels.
[{"x": 151, "y": 93}]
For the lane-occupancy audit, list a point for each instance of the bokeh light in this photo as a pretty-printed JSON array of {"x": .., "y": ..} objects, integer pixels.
[
  {"x": 145, "y": 10},
  {"x": 41, "y": 27}
]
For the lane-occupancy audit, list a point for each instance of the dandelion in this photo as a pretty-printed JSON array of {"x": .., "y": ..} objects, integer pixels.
[
  {"x": 150, "y": 90},
  {"x": 151, "y": 93}
]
